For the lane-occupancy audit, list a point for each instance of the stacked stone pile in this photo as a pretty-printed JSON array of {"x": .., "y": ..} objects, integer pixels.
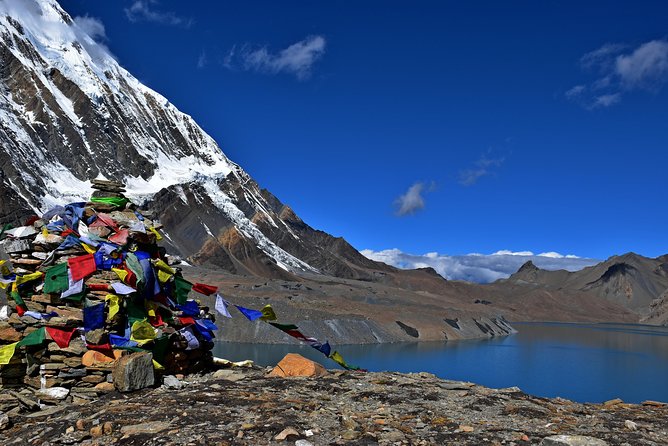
[{"x": 87, "y": 295}]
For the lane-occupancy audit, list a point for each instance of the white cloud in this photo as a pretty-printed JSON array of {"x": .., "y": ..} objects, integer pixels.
[
  {"x": 483, "y": 167},
  {"x": 297, "y": 59},
  {"x": 479, "y": 268},
  {"x": 92, "y": 26},
  {"x": 142, "y": 11},
  {"x": 621, "y": 69},
  {"x": 411, "y": 201},
  {"x": 202, "y": 60}
]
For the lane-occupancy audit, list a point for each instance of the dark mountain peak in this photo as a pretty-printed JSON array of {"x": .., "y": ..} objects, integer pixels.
[
  {"x": 617, "y": 269},
  {"x": 527, "y": 267}
]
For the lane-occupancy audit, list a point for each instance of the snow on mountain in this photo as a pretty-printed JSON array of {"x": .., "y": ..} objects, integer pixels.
[{"x": 70, "y": 113}]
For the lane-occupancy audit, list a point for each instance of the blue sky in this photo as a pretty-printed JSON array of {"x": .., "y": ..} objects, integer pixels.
[{"x": 466, "y": 127}]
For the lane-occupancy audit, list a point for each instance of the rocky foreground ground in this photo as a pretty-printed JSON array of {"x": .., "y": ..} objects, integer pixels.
[{"x": 245, "y": 407}]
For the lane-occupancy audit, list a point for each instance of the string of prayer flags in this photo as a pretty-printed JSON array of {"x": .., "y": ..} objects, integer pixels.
[
  {"x": 61, "y": 336},
  {"x": 222, "y": 306},
  {"x": 293, "y": 331},
  {"x": 251, "y": 315}
]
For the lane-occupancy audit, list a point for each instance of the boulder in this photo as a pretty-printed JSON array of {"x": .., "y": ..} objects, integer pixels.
[
  {"x": 134, "y": 372},
  {"x": 94, "y": 358},
  {"x": 296, "y": 365}
]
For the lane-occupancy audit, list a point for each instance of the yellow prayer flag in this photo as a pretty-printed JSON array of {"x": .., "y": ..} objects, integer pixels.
[
  {"x": 158, "y": 237},
  {"x": 121, "y": 273},
  {"x": 114, "y": 305},
  {"x": 6, "y": 353},
  {"x": 268, "y": 313},
  {"x": 88, "y": 249},
  {"x": 45, "y": 231},
  {"x": 142, "y": 332},
  {"x": 157, "y": 365},
  {"x": 28, "y": 278},
  {"x": 4, "y": 268},
  {"x": 150, "y": 308},
  {"x": 165, "y": 272}
]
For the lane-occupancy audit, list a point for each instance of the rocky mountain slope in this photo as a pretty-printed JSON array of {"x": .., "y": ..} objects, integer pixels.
[{"x": 637, "y": 283}]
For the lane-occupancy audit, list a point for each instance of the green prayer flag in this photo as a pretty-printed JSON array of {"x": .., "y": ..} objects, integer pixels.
[
  {"x": 135, "y": 310},
  {"x": 132, "y": 262},
  {"x": 181, "y": 289},
  {"x": 336, "y": 357},
  {"x": 160, "y": 346},
  {"x": 18, "y": 299},
  {"x": 55, "y": 279},
  {"x": 114, "y": 201},
  {"x": 34, "y": 338},
  {"x": 284, "y": 327}
]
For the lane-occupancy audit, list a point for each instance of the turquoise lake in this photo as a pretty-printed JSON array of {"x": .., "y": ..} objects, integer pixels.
[{"x": 580, "y": 362}]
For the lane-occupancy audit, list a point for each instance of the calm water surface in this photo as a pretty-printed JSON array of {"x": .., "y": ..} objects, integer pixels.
[{"x": 581, "y": 362}]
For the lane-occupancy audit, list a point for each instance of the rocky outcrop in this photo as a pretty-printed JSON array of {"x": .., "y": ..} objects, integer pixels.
[{"x": 336, "y": 409}]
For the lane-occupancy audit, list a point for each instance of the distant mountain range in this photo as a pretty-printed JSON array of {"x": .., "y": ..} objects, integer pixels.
[{"x": 70, "y": 113}]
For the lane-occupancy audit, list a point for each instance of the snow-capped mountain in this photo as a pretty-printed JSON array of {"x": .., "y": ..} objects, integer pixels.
[{"x": 70, "y": 113}]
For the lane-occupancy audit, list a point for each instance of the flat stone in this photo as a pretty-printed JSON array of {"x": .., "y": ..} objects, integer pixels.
[
  {"x": 146, "y": 428},
  {"x": 285, "y": 433},
  {"x": 53, "y": 394},
  {"x": 228, "y": 375},
  {"x": 572, "y": 440}
]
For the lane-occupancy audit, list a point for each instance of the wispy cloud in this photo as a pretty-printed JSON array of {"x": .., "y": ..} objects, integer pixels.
[
  {"x": 479, "y": 268},
  {"x": 143, "y": 11},
  {"x": 620, "y": 69},
  {"x": 412, "y": 200},
  {"x": 202, "y": 60},
  {"x": 93, "y": 28},
  {"x": 483, "y": 167},
  {"x": 297, "y": 59}
]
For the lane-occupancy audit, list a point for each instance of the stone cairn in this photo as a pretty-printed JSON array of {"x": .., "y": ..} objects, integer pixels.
[{"x": 130, "y": 315}]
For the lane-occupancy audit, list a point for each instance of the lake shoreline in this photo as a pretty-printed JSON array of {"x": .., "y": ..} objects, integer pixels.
[{"x": 245, "y": 407}]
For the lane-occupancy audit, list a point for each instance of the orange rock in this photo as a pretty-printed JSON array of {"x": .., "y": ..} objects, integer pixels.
[
  {"x": 93, "y": 358},
  {"x": 296, "y": 365},
  {"x": 8, "y": 334}
]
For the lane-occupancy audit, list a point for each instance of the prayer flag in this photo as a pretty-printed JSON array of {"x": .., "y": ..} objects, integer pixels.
[
  {"x": 114, "y": 305},
  {"x": 56, "y": 279},
  {"x": 34, "y": 338},
  {"x": 82, "y": 266},
  {"x": 207, "y": 324},
  {"x": 93, "y": 317},
  {"x": 268, "y": 313},
  {"x": 60, "y": 336},
  {"x": 74, "y": 286},
  {"x": 120, "y": 341},
  {"x": 120, "y": 238},
  {"x": 207, "y": 290},
  {"x": 336, "y": 357},
  {"x": 189, "y": 308},
  {"x": 158, "y": 237},
  {"x": 165, "y": 272},
  {"x": 181, "y": 289},
  {"x": 121, "y": 288},
  {"x": 250, "y": 314},
  {"x": 142, "y": 332},
  {"x": 38, "y": 315},
  {"x": 193, "y": 342},
  {"x": 221, "y": 306},
  {"x": 20, "y": 280},
  {"x": 6, "y": 353}
]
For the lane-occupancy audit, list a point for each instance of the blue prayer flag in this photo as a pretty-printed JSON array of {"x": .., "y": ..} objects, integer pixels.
[
  {"x": 250, "y": 314},
  {"x": 93, "y": 317}
]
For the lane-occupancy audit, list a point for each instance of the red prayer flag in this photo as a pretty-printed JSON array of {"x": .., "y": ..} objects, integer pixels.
[
  {"x": 186, "y": 320},
  {"x": 67, "y": 232},
  {"x": 20, "y": 310},
  {"x": 202, "y": 288},
  {"x": 99, "y": 347},
  {"x": 104, "y": 220},
  {"x": 120, "y": 238},
  {"x": 60, "y": 336},
  {"x": 82, "y": 266},
  {"x": 97, "y": 286}
]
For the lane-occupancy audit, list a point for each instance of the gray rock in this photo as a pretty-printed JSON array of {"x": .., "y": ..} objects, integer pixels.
[
  {"x": 4, "y": 421},
  {"x": 172, "y": 382},
  {"x": 96, "y": 336},
  {"x": 134, "y": 372},
  {"x": 572, "y": 440}
]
